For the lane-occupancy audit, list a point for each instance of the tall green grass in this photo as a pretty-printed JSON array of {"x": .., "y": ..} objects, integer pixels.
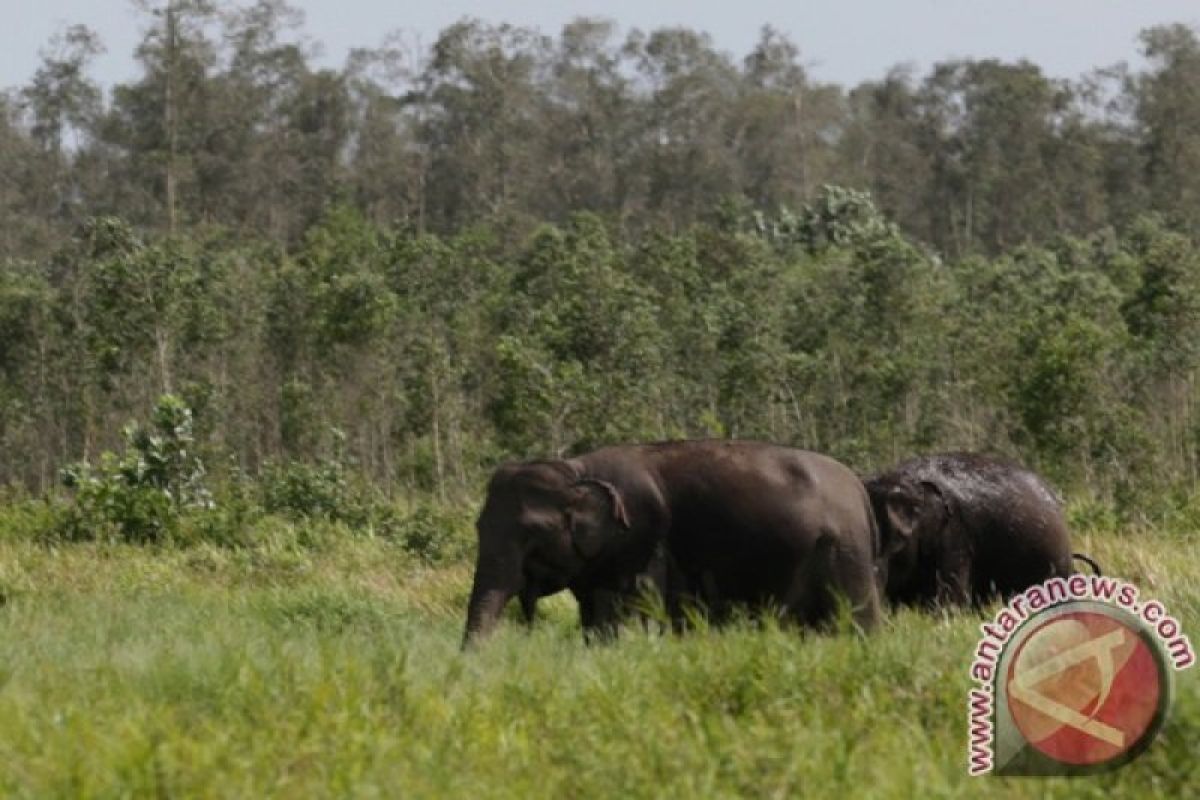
[{"x": 289, "y": 670}]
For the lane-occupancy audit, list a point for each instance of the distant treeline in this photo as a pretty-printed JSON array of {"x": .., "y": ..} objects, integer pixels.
[
  {"x": 511, "y": 245},
  {"x": 231, "y": 124}
]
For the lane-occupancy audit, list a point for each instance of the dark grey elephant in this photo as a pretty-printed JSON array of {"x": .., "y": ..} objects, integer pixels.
[
  {"x": 964, "y": 528},
  {"x": 720, "y": 523}
]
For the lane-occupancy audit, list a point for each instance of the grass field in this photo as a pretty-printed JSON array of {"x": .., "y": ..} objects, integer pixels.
[{"x": 332, "y": 669}]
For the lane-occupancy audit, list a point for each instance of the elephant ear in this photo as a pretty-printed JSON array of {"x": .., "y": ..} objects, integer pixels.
[
  {"x": 912, "y": 511},
  {"x": 935, "y": 511},
  {"x": 593, "y": 514},
  {"x": 902, "y": 512}
]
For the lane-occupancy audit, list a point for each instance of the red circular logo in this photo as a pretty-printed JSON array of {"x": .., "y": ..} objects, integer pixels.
[{"x": 1084, "y": 688}]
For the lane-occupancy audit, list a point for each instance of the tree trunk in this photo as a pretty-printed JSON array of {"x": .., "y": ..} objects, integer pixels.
[
  {"x": 169, "y": 114},
  {"x": 162, "y": 349},
  {"x": 437, "y": 435}
]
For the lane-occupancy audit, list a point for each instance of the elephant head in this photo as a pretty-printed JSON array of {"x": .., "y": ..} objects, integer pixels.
[
  {"x": 542, "y": 526},
  {"x": 911, "y": 515}
]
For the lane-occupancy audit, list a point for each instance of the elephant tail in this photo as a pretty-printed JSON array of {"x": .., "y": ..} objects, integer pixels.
[{"x": 1089, "y": 561}]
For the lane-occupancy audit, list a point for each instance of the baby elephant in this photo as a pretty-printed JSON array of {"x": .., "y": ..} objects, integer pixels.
[{"x": 963, "y": 528}]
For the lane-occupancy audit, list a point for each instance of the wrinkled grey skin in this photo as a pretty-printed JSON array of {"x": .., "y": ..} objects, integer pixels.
[
  {"x": 717, "y": 523},
  {"x": 962, "y": 528}
]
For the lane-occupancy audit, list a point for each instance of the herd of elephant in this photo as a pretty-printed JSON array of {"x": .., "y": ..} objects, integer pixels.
[{"x": 721, "y": 524}]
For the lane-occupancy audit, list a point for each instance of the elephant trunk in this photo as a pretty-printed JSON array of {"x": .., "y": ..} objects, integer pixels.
[{"x": 496, "y": 581}]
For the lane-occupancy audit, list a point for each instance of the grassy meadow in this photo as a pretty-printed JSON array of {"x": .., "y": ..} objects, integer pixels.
[{"x": 326, "y": 664}]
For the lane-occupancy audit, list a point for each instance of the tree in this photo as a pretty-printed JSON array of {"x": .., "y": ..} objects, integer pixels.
[
  {"x": 61, "y": 98},
  {"x": 480, "y": 102},
  {"x": 26, "y": 229},
  {"x": 62, "y": 102},
  {"x": 1168, "y": 110},
  {"x": 781, "y": 125},
  {"x": 160, "y": 122},
  {"x": 588, "y": 132},
  {"x": 136, "y": 296},
  {"x": 993, "y": 126},
  {"x": 684, "y": 160},
  {"x": 290, "y": 123},
  {"x": 579, "y": 350},
  {"x": 388, "y": 166}
]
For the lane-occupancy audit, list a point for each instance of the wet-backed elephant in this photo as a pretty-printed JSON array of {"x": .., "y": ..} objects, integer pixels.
[
  {"x": 718, "y": 522},
  {"x": 964, "y": 528}
]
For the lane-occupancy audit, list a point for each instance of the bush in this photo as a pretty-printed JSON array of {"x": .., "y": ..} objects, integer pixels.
[
  {"x": 436, "y": 534},
  {"x": 26, "y": 518},
  {"x": 325, "y": 489},
  {"x": 139, "y": 496}
]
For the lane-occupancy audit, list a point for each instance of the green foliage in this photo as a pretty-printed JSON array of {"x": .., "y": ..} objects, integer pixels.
[
  {"x": 138, "y": 299},
  {"x": 323, "y": 489},
  {"x": 140, "y": 495},
  {"x": 436, "y": 534},
  {"x": 1057, "y": 386},
  {"x": 1163, "y": 311},
  {"x": 27, "y": 518},
  {"x": 350, "y": 300},
  {"x": 436, "y": 357},
  {"x": 580, "y": 350},
  {"x": 229, "y": 122},
  {"x": 837, "y": 217},
  {"x": 536, "y": 244},
  {"x": 105, "y": 505},
  {"x": 25, "y": 296}
]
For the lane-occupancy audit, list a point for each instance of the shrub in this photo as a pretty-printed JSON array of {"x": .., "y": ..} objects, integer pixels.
[
  {"x": 24, "y": 517},
  {"x": 139, "y": 496},
  {"x": 324, "y": 489},
  {"x": 435, "y": 534}
]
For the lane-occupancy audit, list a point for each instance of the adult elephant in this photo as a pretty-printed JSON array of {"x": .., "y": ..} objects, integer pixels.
[
  {"x": 962, "y": 528},
  {"x": 722, "y": 522}
]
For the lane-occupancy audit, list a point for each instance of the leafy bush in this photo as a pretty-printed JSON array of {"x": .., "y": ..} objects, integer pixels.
[
  {"x": 139, "y": 496},
  {"x": 837, "y": 217},
  {"x": 27, "y": 518},
  {"x": 436, "y": 534},
  {"x": 325, "y": 489}
]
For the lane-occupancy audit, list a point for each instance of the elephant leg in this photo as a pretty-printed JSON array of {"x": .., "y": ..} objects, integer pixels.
[
  {"x": 677, "y": 597},
  {"x": 854, "y": 579},
  {"x": 529, "y": 598},
  {"x": 713, "y": 599},
  {"x": 954, "y": 577},
  {"x": 677, "y": 602},
  {"x": 646, "y": 601},
  {"x": 599, "y": 613},
  {"x": 810, "y": 600},
  {"x": 650, "y": 591},
  {"x": 833, "y": 574}
]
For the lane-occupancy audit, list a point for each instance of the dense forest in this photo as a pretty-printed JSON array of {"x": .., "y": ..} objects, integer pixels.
[{"x": 511, "y": 244}]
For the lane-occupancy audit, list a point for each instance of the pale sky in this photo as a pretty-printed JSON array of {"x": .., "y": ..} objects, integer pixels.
[{"x": 844, "y": 41}]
